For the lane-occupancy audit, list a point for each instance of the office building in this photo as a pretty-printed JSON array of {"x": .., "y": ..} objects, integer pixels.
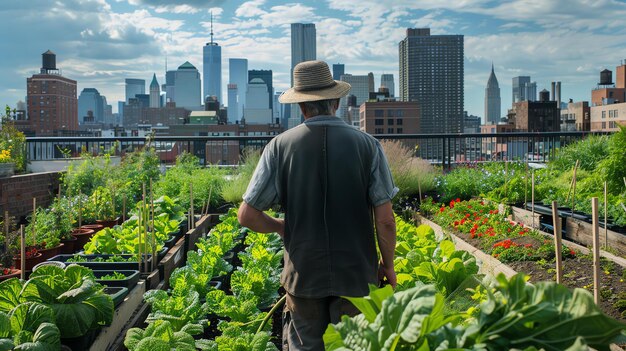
[
  {"x": 576, "y": 117},
  {"x": 90, "y": 100},
  {"x": 168, "y": 87},
  {"x": 238, "y": 75},
  {"x": 339, "y": 69},
  {"x": 277, "y": 110},
  {"x": 361, "y": 87},
  {"x": 212, "y": 68},
  {"x": 233, "y": 106},
  {"x": 608, "y": 118},
  {"x": 386, "y": 81},
  {"x": 257, "y": 111},
  {"x": 186, "y": 90},
  {"x": 492, "y": 99},
  {"x": 303, "y": 48},
  {"x": 523, "y": 89},
  {"x": 52, "y": 105},
  {"x": 606, "y": 92},
  {"x": 536, "y": 116},
  {"x": 431, "y": 74},
  {"x": 266, "y": 77},
  {"x": 155, "y": 93},
  {"x": 134, "y": 87},
  {"x": 389, "y": 117}
]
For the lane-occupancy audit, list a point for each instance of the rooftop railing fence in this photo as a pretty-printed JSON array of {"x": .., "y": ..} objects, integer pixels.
[{"x": 446, "y": 150}]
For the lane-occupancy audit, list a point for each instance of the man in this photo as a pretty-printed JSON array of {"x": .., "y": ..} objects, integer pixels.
[{"x": 327, "y": 176}]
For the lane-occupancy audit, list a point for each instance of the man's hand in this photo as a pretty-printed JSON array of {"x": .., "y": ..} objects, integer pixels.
[
  {"x": 388, "y": 273},
  {"x": 258, "y": 221}
]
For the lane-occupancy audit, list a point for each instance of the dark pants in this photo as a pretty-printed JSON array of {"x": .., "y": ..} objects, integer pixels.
[{"x": 305, "y": 320}]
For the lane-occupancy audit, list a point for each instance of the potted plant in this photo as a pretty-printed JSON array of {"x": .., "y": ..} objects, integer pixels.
[
  {"x": 7, "y": 268},
  {"x": 44, "y": 232},
  {"x": 12, "y": 148},
  {"x": 103, "y": 207}
]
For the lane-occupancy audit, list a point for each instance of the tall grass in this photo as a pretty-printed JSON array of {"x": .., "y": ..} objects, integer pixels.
[
  {"x": 235, "y": 187},
  {"x": 409, "y": 172}
]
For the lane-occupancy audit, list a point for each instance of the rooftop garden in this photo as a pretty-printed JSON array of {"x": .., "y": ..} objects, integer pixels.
[{"x": 115, "y": 231}]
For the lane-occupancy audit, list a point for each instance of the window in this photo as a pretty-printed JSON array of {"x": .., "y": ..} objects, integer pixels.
[
  {"x": 603, "y": 125},
  {"x": 610, "y": 113},
  {"x": 379, "y": 113},
  {"x": 612, "y": 124},
  {"x": 399, "y": 121},
  {"x": 399, "y": 113},
  {"x": 399, "y": 130},
  {"x": 378, "y": 131},
  {"x": 389, "y": 130},
  {"x": 615, "y": 113},
  {"x": 379, "y": 122},
  {"x": 603, "y": 114},
  {"x": 390, "y": 121}
]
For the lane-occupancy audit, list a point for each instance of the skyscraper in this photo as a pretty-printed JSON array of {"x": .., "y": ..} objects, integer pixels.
[
  {"x": 386, "y": 80},
  {"x": 339, "y": 69},
  {"x": 238, "y": 75},
  {"x": 134, "y": 87},
  {"x": 155, "y": 93},
  {"x": 266, "y": 77},
  {"x": 233, "y": 106},
  {"x": 212, "y": 68},
  {"x": 90, "y": 100},
  {"x": 187, "y": 86},
  {"x": 361, "y": 87},
  {"x": 303, "y": 48},
  {"x": 492, "y": 99},
  {"x": 431, "y": 73},
  {"x": 257, "y": 111},
  {"x": 519, "y": 88},
  {"x": 51, "y": 100}
]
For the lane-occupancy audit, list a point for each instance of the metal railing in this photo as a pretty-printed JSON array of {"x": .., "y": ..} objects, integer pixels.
[{"x": 441, "y": 149}]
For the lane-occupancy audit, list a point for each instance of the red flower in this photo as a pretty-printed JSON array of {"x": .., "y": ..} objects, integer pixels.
[
  {"x": 456, "y": 223},
  {"x": 452, "y": 204},
  {"x": 458, "y": 200},
  {"x": 442, "y": 209},
  {"x": 572, "y": 252},
  {"x": 463, "y": 221}
]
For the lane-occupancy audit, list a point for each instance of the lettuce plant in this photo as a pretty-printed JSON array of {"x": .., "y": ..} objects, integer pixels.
[{"x": 161, "y": 336}]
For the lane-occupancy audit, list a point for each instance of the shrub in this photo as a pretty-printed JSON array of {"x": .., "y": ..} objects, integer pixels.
[{"x": 233, "y": 190}]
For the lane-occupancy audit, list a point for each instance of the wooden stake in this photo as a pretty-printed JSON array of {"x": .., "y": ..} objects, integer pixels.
[
  {"x": 556, "y": 221},
  {"x": 22, "y": 253},
  {"x": 59, "y": 191},
  {"x": 606, "y": 227},
  {"x": 574, "y": 191},
  {"x": 571, "y": 184},
  {"x": 193, "y": 218},
  {"x": 139, "y": 257},
  {"x": 152, "y": 227},
  {"x": 596, "y": 250},
  {"x": 34, "y": 219},
  {"x": 123, "y": 207},
  {"x": 532, "y": 197},
  {"x": 80, "y": 208},
  {"x": 208, "y": 201},
  {"x": 144, "y": 227},
  {"x": 6, "y": 227}
]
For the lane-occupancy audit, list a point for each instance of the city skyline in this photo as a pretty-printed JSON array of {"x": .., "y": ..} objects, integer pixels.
[{"x": 99, "y": 43}]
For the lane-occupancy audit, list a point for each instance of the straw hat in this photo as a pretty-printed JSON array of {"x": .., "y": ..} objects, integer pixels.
[{"x": 312, "y": 81}]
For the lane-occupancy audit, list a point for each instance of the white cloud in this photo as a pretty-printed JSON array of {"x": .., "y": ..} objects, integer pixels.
[
  {"x": 250, "y": 9},
  {"x": 177, "y": 9}
]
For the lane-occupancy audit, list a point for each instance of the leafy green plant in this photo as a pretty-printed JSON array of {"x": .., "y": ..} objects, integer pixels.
[
  {"x": 233, "y": 190},
  {"x": 515, "y": 315},
  {"x": 233, "y": 338},
  {"x": 410, "y": 174},
  {"x": 78, "y": 302},
  {"x": 160, "y": 335},
  {"x": 29, "y": 326},
  {"x": 47, "y": 227},
  {"x": 113, "y": 276},
  {"x": 13, "y": 141}
]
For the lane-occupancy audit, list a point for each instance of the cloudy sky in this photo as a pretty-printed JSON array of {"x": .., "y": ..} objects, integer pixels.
[{"x": 99, "y": 43}]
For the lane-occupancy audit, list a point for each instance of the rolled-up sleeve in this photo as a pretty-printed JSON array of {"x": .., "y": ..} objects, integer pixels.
[
  {"x": 382, "y": 188},
  {"x": 261, "y": 192}
]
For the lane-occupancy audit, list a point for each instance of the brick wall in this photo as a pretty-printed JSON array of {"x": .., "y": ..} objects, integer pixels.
[{"x": 17, "y": 192}]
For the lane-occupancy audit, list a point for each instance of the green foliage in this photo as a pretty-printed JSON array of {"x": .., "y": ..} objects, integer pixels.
[
  {"x": 136, "y": 169},
  {"x": 113, "y": 276},
  {"x": 29, "y": 326},
  {"x": 235, "y": 339},
  {"x": 47, "y": 228},
  {"x": 410, "y": 173},
  {"x": 514, "y": 315},
  {"x": 589, "y": 152},
  {"x": 179, "y": 308},
  {"x": 206, "y": 182},
  {"x": 233, "y": 190},
  {"x": 77, "y": 301},
  {"x": 87, "y": 174},
  {"x": 161, "y": 336},
  {"x": 14, "y": 141},
  {"x": 613, "y": 167}
]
